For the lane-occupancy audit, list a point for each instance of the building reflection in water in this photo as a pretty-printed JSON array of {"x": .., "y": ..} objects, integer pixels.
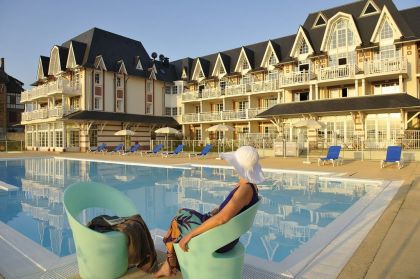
[{"x": 294, "y": 206}]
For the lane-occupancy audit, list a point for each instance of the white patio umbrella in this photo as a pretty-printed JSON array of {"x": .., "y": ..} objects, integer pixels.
[
  {"x": 167, "y": 131},
  {"x": 309, "y": 124},
  {"x": 125, "y": 133},
  {"x": 220, "y": 128}
]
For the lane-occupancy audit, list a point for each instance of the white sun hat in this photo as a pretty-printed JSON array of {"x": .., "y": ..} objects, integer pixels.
[{"x": 245, "y": 160}]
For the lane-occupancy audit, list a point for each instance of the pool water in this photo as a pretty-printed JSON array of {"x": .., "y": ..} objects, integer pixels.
[{"x": 294, "y": 205}]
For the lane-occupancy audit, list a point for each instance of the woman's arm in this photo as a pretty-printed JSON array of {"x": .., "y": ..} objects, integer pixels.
[{"x": 240, "y": 198}]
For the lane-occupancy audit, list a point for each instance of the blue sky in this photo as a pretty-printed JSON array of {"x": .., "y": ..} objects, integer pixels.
[{"x": 177, "y": 29}]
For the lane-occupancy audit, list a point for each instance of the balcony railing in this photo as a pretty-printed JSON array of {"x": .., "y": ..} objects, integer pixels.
[
  {"x": 60, "y": 86},
  {"x": 296, "y": 78},
  {"x": 383, "y": 66},
  {"x": 337, "y": 72},
  {"x": 56, "y": 112},
  {"x": 190, "y": 95},
  {"x": 222, "y": 115}
]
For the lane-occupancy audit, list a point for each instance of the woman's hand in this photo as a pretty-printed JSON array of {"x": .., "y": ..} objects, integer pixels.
[{"x": 184, "y": 241}]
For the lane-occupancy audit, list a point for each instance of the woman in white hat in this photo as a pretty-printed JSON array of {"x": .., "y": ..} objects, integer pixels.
[{"x": 189, "y": 223}]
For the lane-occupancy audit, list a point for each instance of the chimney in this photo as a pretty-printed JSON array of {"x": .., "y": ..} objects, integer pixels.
[{"x": 2, "y": 63}]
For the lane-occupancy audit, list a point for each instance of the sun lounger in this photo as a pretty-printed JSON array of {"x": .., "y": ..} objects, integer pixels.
[
  {"x": 133, "y": 149},
  {"x": 177, "y": 151},
  {"x": 118, "y": 149},
  {"x": 333, "y": 156},
  {"x": 393, "y": 155},
  {"x": 206, "y": 149},
  {"x": 155, "y": 150},
  {"x": 99, "y": 148},
  {"x": 202, "y": 260}
]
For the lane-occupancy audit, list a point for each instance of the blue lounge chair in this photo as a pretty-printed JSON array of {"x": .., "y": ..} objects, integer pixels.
[
  {"x": 118, "y": 149},
  {"x": 177, "y": 151},
  {"x": 99, "y": 148},
  {"x": 206, "y": 149},
  {"x": 133, "y": 149},
  {"x": 155, "y": 150},
  {"x": 333, "y": 155},
  {"x": 393, "y": 155}
]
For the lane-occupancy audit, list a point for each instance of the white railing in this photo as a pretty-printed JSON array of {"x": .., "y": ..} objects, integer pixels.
[
  {"x": 337, "y": 72},
  {"x": 391, "y": 65},
  {"x": 47, "y": 113},
  {"x": 211, "y": 93},
  {"x": 296, "y": 78},
  {"x": 60, "y": 86},
  {"x": 222, "y": 115},
  {"x": 189, "y": 95}
]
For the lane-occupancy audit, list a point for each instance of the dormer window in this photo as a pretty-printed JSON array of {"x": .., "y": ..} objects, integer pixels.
[
  {"x": 342, "y": 35},
  {"x": 200, "y": 74},
  {"x": 320, "y": 21},
  {"x": 303, "y": 49},
  {"x": 244, "y": 64},
  {"x": 272, "y": 60},
  {"x": 118, "y": 82},
  {"x": 387, "y": 32},
  {"x": 97, "y": 78},
  {"x": 221, "y": 70},
  {"x": 184, "y": 74},
  {"x": 370, "y": 9}
]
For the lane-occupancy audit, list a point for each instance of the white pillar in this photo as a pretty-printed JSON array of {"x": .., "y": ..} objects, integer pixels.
[
  {"x": 356, "y": 86},
  {"x": 317, "y": 92},
  {"x": 310, "y": 93}
]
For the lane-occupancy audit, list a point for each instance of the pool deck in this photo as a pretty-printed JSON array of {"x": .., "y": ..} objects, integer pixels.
[{"x": 390, "y": 250}]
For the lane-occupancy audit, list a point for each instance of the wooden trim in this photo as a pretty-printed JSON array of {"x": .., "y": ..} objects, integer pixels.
[{"x": 103, "y": 90}]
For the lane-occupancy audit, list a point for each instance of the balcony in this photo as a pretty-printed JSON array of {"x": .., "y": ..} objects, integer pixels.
[
  {"x": 265, "y": 86},
  {"x": 59, "y": 87},
  {"x": 222, "y": 115},
  {"x": 337, "y": 73},
  {"x": 44, "y": 113},
  {"x": 296, "y": 79},
  {"x": 190, "y": 95},
  {"x": 389, "y": 66}
]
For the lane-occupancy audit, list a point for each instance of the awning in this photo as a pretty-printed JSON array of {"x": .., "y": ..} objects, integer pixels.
[
  {"x": 86, "y": 115},
  {"x": 344, "y": 105}
]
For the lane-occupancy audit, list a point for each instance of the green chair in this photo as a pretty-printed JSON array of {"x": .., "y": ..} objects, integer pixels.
[
  {"x": 99, "y": 255},
  {"x": 202, "y": 261}
]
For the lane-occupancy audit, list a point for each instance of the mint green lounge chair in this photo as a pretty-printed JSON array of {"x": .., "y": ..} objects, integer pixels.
[
  {"x": 202, "y": 261},
  {"x": 99, "y": 255}
]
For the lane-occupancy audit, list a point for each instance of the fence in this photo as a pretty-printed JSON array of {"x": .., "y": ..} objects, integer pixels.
[{"x": 11, "y": 145}]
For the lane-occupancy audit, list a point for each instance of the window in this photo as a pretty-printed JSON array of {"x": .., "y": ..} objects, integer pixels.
[
  {"x": 342, "y": 35},
  {"x": 168, "y": 111},
  {"x": 244, "y": 64},
  {"x": 320, "y": 21},
  {"x": 197, "y": 135},
  {"x": 75, "y": 103},
  {"x": 386, "y": 88},
  {"x": 268, "y": 103},
  {"x": 200, "y": 74},
  {"x": 369, "y": 9},
  {"x": 303, "y": 49},
  {"x": 273, "y": 59},
  {"x": 74, "y": 138},
  {"x": 197, "y": 109},
  {"x": 29, "y": 139},
  {"x": 242, "y": 105},
  {"x": 120, "y": 105},
  {"x": 272, "y": 75},
  {"x": 148, "y": 86},
  {"x": 175, "y": 89},
  {"x": 219, "y": 107},
  {"x": 98, "y": 103},
  {"x": 167, "y": 90},
  {"x": 149, "y": 108},
  {"x": 246, "y": 79},
  {"x": 119, "y": 84},
  {"x": 175, "y": 111},
  {"x": 387, "y": 32},
  {"x": 93, "y": 136},
  {"x": 222, "y": 85},
  {"x": 387, "y": 52},
  {"x": 302, "y": 96},
  {"x": 97, "y": 78},
  {"x": 221, "y": 69},
  {"x": 58, "y": 138}
]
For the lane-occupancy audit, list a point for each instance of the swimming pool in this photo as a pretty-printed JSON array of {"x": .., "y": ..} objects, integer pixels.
[{"x": 295, "y": 205}]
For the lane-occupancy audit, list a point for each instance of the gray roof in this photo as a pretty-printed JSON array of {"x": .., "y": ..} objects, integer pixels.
[
  {"x": 45, "y": 63},
  {"x": 342, "y": 105},
  {"x": 122, "y": 117},
  {"x": 407, "y": 20}
]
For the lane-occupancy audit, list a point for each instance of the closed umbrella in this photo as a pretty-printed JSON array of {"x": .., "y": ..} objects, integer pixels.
[
  {"x": 167, "y": 131},
  {"x": 309, "y": 124},
  {"x": 220, "y": 128},
  {"x": 125, "y": 133}
]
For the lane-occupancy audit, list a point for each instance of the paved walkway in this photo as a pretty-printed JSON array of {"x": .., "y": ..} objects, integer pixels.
[{"x": 390, "y": 250}]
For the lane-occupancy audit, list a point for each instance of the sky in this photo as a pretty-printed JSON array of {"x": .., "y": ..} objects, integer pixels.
[{"x": 177, "y": 29}]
